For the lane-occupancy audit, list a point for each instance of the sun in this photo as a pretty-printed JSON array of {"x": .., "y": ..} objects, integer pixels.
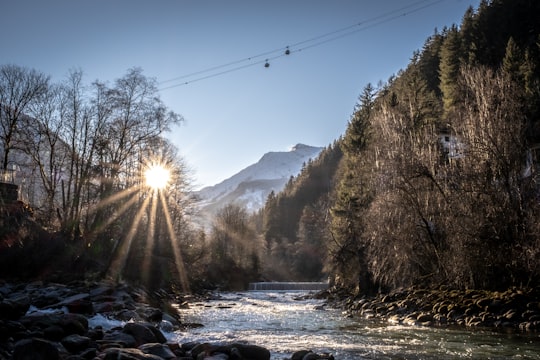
[{"x": 157, "y": 177}]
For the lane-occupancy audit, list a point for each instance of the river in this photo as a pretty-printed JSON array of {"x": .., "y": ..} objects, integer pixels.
[{"x": 285, "y": 322}]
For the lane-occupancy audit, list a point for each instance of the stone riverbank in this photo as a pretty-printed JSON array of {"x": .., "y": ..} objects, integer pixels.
[
  {"x": 53, "y": 322},
  {"x": 511, "y": 310}
]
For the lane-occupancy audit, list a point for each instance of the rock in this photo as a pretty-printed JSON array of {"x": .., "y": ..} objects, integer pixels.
[
  {"x": 74, "y": 324},
  {"x": 157, "y": 349},
  {"x": 12, "y": 329},
  {"x": 152, "y": 315},
  {"x": 14, "y": 308},
  {"x": 96, "y": 333},
  {"x": 216, "y": 356},
  {"x": 35, "y": 349},
  {"x": 88, "y": 354},
  {"x": 70, "y": 323},
  {"x": 68, "y": 300},
  {"x": 311, "y": 356},
  {"x": 173, "y": 320},
  {"x": 166, "y": 326},
  {"x": 144, "y": 333},
  {"x": 82, "y": 306},
  {"x": 117, "y": 336},
  {"x": 75, "y": 343},
  {"x": 54, "y": 333},
  {"x": 101, "y": 290},
  {"x": 157, "y": 333},
  {"x": 128, "y": 354},
  {"x": 203, "y": 348},
  {"x": 299, "y": 355},
  {"x": 252, "y": 352},
  {"x": 424, "y": 318}
]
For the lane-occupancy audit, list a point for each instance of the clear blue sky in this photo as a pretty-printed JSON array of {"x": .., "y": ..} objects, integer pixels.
[{"x": 234, "y": 118}]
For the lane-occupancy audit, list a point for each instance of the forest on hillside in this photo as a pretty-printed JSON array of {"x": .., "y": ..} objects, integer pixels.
[{"x": 435, "y": 180}]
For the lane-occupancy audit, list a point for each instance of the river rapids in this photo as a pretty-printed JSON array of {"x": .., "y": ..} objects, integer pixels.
[{"x": 285, "y": 322}]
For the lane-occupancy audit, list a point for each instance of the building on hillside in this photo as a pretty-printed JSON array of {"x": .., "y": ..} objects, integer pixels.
[{"x": 451, "y": 147}]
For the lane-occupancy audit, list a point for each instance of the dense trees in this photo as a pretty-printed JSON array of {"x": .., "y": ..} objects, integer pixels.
[
  {"x": 296, "y": 221},
  {"x": 435, "y": 180},
  {"x": 438, "y": 179},
  {"x": 352, "y": 199},
  {"x": 452, "y": 194},
  {"x": 81, "y": 151},
  {"x": 234, "y": 251}
]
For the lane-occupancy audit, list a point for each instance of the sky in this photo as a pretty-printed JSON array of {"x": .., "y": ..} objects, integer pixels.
[{"x": 209, "y": 58}]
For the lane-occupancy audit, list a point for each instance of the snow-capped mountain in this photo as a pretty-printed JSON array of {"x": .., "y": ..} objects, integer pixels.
[{"x": 251, "y": 186}]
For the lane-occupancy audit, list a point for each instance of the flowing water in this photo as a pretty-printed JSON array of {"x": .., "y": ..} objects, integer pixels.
[{"x": 285, "y": 322}]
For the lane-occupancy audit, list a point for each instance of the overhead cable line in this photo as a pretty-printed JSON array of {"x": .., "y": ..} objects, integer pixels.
[{"x": 294, "y": 48}]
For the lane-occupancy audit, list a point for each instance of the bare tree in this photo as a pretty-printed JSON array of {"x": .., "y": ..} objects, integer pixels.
[
  {"x": 42, "y": 143},
  {"x": 489, "y": 199},
  {"x": 19, "y": 87},
  {"x": 135, "y": 117}
]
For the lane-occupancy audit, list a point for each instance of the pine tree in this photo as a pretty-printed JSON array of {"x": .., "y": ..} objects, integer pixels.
[
  {"x": 353, "y": 196},
  {"x": 512, "y": 61},
  {"x": 449, "y": 69}
]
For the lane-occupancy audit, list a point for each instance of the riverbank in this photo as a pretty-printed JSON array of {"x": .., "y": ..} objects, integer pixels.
[
  {"x": 511, "y": 310},
  {"x": 107, "y": 321}
]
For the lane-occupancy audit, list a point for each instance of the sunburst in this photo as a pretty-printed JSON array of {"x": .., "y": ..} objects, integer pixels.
[
  {"x": 157, "y": 176},
  {"x": 155, "y": 180}
]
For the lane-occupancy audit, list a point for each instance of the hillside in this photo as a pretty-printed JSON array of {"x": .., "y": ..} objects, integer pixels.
[{"x": 251, "y": 186}]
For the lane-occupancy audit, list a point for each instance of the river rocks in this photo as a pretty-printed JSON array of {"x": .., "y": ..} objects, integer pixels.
[
  {"x": 515, "y": 309},
  {"x": 310, "y": 355},
  {"x": 35, "y": 348},
  {"x": 161, "y": 350},
  {"x": 144, "y": 333},
  {"x": 234, "y": 351},
  {"x": 53, "y": 321}
]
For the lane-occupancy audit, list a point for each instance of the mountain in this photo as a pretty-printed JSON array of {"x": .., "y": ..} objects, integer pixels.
[{"x": 251, "y": 186}]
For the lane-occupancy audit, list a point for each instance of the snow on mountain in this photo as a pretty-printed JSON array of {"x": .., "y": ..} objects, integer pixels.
[{"x": 251, "y": 186}]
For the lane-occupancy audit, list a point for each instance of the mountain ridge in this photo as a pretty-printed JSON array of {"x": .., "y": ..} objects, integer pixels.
[{"x": 251, "y": 186}]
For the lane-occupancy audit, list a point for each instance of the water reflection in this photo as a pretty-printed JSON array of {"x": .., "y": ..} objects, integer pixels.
[{"x": 284, "y": 324}]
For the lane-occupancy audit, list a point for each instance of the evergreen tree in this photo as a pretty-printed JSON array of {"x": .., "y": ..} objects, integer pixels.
[
  {"x": 449, "y": 69},
  {"x": 353, "y": 196},
  {"x": 512, "y": 61}
]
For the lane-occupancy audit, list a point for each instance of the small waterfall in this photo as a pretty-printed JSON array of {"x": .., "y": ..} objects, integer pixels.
[{"x": 287, "y": 286}]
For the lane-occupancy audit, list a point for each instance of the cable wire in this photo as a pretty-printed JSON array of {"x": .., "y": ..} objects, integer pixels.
[{"x": 308, "y": 44}]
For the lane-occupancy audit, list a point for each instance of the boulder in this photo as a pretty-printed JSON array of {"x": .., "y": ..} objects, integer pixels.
[
  {"x": 54, "y": 333},
  {"x": 161, "y": 350},
  {"x": 14, "y": 307},
  {"x": 117, "y": 336},
  {"x": 299, "y": 355},
  {"x": 252, "y": 352},
  {"x": 35, "y": 349},
  {"x": 76, "y": 343},
  {"x": 144, "y": 333},
  {"x": 70, "y": 323},
  {"x": 216, "y": 356},
  {"x": 128, "y": 354},
  {"x": 203, "y": 348}
]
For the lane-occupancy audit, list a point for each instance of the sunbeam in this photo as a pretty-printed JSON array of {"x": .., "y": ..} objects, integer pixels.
[
  {"x": 115, "y": 197},
  {"x": 178, "y": 261},
  {"x": 119, "y": 261},
  {"x": 150, "y": 241},
  {"x": 154, "y": 245},
  {"x": 116, "y": 214}
]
